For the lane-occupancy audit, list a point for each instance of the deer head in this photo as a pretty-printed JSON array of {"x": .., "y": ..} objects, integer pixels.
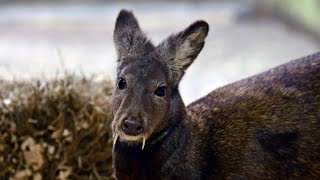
[{"x": 146, "y": 99}]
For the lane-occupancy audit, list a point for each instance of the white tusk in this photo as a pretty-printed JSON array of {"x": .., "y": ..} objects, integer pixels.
[
  {"x": 143, "y": 142},
  {"x": 115, "y": 139}
]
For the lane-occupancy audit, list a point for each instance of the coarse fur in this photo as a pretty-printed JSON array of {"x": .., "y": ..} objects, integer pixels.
[{"x": 265, "y": 126}]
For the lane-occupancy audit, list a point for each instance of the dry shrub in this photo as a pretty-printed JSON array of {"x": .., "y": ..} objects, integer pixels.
[{"x": 59, "y": 129}]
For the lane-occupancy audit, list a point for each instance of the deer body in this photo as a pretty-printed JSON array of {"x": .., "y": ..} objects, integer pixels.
[{"x": 264, "y": 126}]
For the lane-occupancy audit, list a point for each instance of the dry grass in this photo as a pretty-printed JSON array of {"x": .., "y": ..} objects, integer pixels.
[{"x": 57, "y": 129}]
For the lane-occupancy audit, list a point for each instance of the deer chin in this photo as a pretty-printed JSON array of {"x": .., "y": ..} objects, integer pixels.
[{"x": 130, "y": 139}]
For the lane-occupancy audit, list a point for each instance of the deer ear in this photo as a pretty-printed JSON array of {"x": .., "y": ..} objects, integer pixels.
[
  {"x": 128, "y": 38},
  {"x": 180, "y": 50}
]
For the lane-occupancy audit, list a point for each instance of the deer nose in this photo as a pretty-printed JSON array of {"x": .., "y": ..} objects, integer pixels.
[{"x": 132, "y": 127}]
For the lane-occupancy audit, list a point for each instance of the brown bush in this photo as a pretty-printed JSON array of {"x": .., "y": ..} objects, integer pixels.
[{"x": 59, "y": 129}]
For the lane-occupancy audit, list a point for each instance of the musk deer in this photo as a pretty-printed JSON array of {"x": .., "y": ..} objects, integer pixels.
[{"x": 265, "y": 126}]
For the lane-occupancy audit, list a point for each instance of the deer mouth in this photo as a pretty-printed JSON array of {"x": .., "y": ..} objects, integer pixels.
[
  {"x": 129, "y": 131},
  {"x": 127, "y": 138}
]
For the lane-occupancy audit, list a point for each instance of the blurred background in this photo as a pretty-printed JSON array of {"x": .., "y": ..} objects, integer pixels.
[{"x": 44, "y": 39}]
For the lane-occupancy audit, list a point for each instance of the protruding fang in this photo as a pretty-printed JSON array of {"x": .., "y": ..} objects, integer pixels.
[
  {"x": 143, "y": 142},
  {"x": 115, "y": 139}
]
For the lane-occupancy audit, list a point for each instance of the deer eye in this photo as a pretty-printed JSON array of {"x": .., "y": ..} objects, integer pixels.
[
  {"x": 121, "y": 83},
  {"x": 160, "y": 91}
]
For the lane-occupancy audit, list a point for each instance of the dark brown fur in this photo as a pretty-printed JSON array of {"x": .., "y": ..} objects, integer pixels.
[{"x": 266, "y": 126}]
